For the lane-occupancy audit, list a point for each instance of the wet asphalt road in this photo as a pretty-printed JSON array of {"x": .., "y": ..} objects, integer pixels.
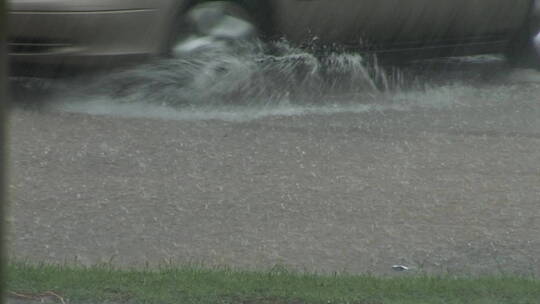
[{"x": 442, "y": 180}]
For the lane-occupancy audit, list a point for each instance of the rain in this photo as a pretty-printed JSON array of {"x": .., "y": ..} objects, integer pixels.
[{"x": 239, "y": 151}]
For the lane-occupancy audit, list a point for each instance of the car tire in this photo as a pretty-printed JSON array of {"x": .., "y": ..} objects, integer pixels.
[
  {"x": 213, "y": 22},
  {"x": 524, "y": 50}
]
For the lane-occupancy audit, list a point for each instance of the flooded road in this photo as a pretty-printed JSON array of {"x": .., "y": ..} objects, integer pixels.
[{"x": 252, "y": 162}]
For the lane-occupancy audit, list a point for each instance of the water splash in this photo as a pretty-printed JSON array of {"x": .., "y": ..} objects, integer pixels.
[
  {"x": 241, "y": 75},
  {"x": 254, "y": 80}
]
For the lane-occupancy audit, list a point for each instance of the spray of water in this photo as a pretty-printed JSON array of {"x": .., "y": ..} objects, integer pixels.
[
  {"x": 238, "y": 82},
  {"x": 244, "y": 75}
]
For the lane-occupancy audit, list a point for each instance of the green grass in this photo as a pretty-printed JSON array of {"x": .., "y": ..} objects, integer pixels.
[{"x": 198, "y": 285}]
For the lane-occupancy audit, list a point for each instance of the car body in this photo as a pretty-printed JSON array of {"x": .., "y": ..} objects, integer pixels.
[
  {"x": 109, "y": 32},
  {"x": 411, "y": 27},
  {"x": 87, "y": 32}
]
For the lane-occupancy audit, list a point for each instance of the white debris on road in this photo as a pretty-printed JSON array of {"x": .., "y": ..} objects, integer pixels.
[{"x": 400, "y": 268}]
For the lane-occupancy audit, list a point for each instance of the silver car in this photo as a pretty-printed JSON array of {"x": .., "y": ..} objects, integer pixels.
[
  {"x": 110, "y": 32},
  {"x": 89, "y": 32}
]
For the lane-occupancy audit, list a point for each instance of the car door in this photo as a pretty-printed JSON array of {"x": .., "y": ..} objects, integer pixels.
[
  {"x": 452, "y": 21},
  {"x": 337, "y": 21},
  {"x": 395, "y": 22},
  {"x": 479, "y": 18},
  {"x": 388, "y": 22}
]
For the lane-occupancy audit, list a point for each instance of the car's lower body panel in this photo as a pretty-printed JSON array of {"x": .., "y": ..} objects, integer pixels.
[
  {"x": 439, "y": 48},
  {"x": 83, "y": 38}
]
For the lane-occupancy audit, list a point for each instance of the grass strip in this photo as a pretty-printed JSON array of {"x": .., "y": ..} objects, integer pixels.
[{"x": 99, "y": 284}]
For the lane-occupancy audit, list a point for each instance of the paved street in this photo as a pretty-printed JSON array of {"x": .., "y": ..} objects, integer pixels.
[{"x": 442, "y": 179}]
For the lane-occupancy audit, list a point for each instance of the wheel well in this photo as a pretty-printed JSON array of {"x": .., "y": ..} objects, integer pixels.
[
  {"x": 524, "y": 30},
  {"x": 520, "y": 50},
  {"x": 535, "y": 13}
]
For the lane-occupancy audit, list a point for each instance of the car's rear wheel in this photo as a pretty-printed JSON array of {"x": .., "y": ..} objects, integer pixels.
[
  {"x": 524, "y": 50},
  {"x": 212, "y": 23}
]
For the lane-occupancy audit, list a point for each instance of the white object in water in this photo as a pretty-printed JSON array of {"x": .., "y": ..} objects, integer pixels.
[
  {"x": 400, "y": 268},
  {"x": 194, "y": 44}
]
